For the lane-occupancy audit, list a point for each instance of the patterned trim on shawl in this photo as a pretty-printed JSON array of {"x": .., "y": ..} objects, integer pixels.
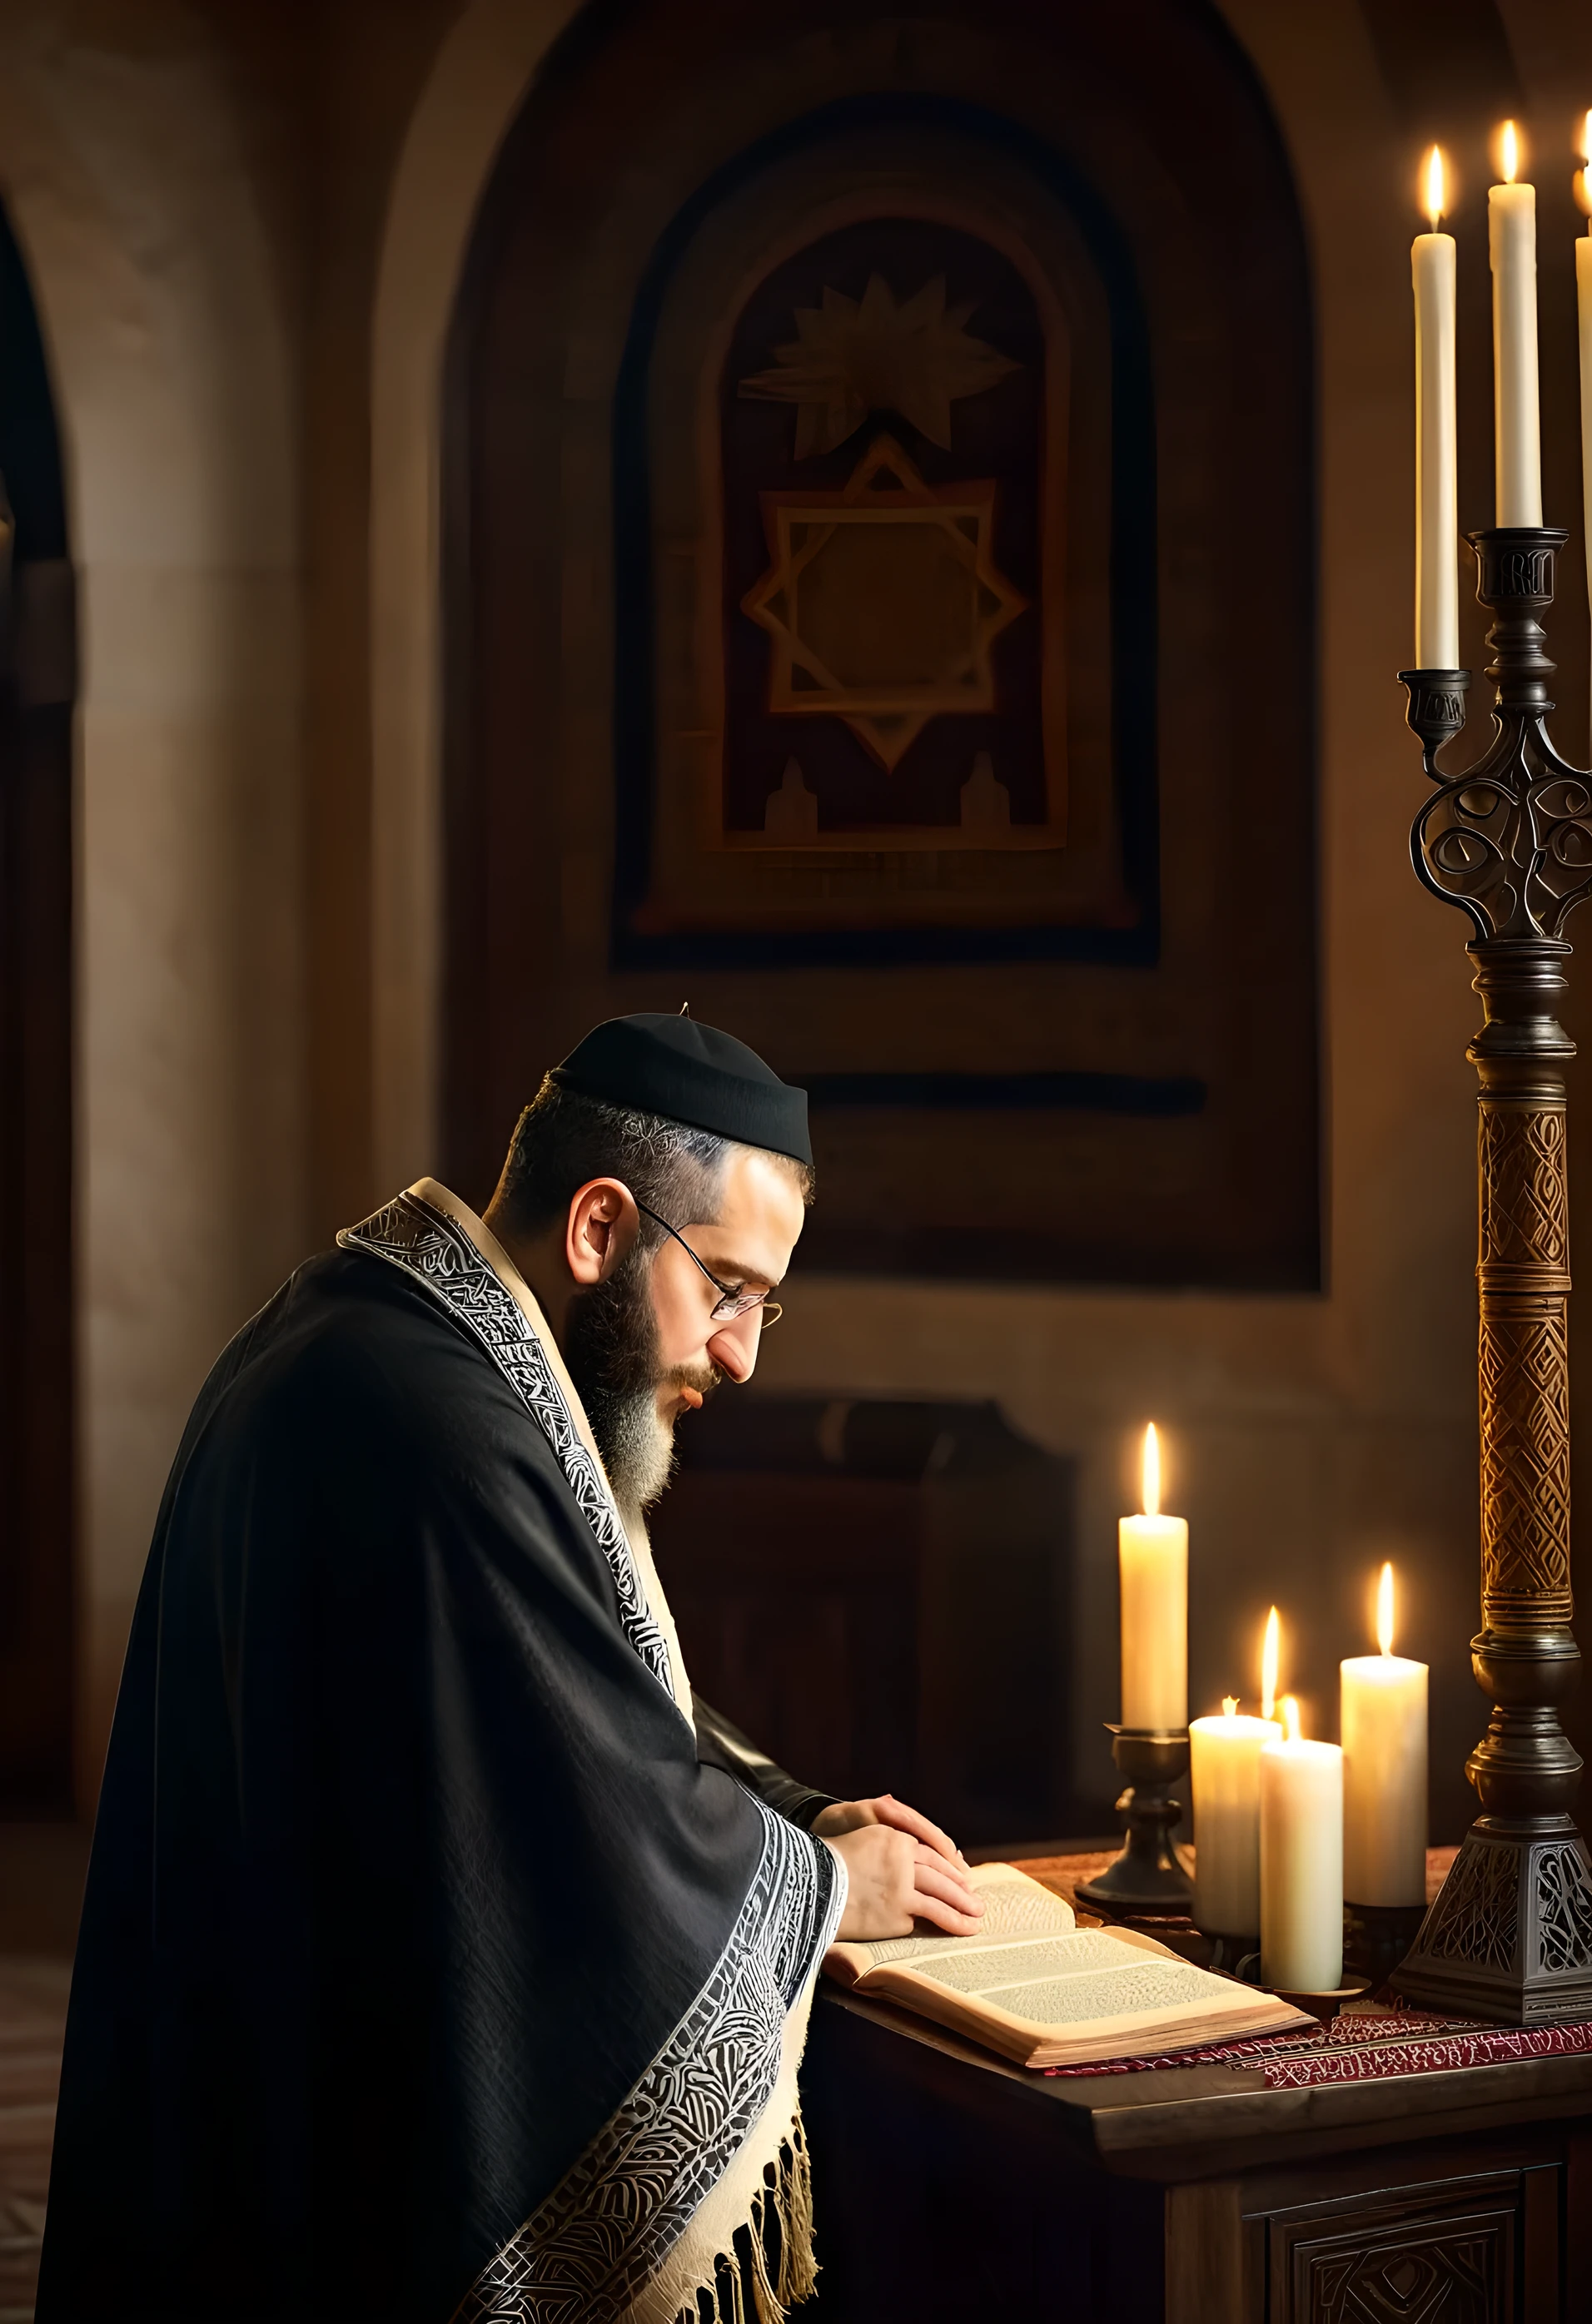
[
  {"x": 584, "y": 2256},
  {"x": 440, "y": 1257}
]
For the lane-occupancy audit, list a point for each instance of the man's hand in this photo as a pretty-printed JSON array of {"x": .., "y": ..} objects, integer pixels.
[
  {"x": 850, "y": 1815},
  {"x": 895, "y": 1879}
]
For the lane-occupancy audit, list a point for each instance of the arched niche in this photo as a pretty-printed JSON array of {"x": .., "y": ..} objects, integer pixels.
[
  {"x": 129, "y": 187},
  {"x": 37, "y": 684},
  {"x": 1075, "y": 1045}
]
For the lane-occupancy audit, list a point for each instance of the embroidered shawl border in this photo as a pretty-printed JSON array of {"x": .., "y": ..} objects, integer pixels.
[
  {"x": 588, "y": 2252},
  {"x": 438, "y": 1253},
  {"x": 609, "y": 2226}
]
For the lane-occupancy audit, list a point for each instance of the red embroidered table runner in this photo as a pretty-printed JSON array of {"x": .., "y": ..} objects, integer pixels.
[{"x": 1362, "y": 2049}]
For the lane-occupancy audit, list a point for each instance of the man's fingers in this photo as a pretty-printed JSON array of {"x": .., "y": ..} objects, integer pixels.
[
  {"x": 933, "y": 1878},
  {"x": 904, "y": 1818},
  {"x": 944, "y": 1916}
]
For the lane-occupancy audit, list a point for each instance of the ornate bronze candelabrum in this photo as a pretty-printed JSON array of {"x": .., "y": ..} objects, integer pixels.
[
  {"x": 1510, "y": 843},
  {"x": 1149, "y": 1875}
]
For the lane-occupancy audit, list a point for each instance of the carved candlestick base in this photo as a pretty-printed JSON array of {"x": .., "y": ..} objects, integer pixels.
[
  {"x": 1510, "y": 841},
  {"x": 1149, "y": 1875}
]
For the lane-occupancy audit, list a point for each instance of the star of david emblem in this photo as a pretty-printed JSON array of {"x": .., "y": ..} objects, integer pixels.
[{"x": 881, "y": 601}]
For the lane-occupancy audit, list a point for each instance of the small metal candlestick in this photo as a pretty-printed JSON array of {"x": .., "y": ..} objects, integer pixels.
[
  {"x": 1149, "y": 1875},
  {"x": 1375, "y": 1938},
  {"x": 1235, "y": 1956}
]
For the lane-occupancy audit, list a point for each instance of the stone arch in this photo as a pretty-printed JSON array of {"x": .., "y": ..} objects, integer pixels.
[
  {"x": 160, "y": 295},
  {"x": 476, "y": 89}
]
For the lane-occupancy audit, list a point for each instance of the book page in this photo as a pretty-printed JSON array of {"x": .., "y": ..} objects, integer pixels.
[
  {"x": 1014, "y": 1907},
  {"x": 1118, "y": 1988},
  {"x": 1008, "y": 1973}
]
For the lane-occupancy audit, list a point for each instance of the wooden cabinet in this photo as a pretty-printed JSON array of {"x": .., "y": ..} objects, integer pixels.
[
  {"x": 879, "y": 1593},
  {"x": 1486, "y": 2246},
  {"x": 952, "y": 2187},
  {"x": 1470, "y": 2230}
]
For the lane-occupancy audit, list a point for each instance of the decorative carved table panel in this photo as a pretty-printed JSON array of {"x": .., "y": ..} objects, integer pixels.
[{"x": 952, "y": 2188}]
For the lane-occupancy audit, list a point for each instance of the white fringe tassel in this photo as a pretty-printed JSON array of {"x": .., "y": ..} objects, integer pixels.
[{"x": 768, "y": 2185}]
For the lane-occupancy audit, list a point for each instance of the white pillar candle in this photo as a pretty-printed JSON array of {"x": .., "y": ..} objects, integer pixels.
[
  {"x": 1511, "y": 242},
  {"x": 1225, "y": 1770},
  {"x": 1152, "y": 1568},
  {"x": 1437, "y": 499},
  {"x": 1301, "y": 1862},
  {"x": 1383, "y": 1723}
]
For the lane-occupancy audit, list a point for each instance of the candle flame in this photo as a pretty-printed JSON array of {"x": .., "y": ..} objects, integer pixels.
[
  {"x": 1229, "y": 1706},
  {"x": 1291, "y": 1719},
  {"x": 1509, "y": 147},
  {"x": 1582, "y": 182},
  {"x": 1269, "y": 1667},
  {"x": 1152, "y": 1472},
  {"x": 1385, "y": 1610},
  {"x": 1435, "y": 202}
]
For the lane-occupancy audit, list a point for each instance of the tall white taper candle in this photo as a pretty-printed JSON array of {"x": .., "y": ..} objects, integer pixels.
[
  {"x": 1584, "y": 315},
  {"x": 1437, "y": 501},
  {"x": 1512, "y": 241}
]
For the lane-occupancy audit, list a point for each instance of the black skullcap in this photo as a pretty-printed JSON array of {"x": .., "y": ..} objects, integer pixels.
[{"x": 689, "y": 1072}]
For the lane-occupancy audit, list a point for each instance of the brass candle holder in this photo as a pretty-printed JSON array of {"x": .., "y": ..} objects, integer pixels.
[
  {"x": 1509, "y": 842},
  {"x": 1149, "y": 1875}
]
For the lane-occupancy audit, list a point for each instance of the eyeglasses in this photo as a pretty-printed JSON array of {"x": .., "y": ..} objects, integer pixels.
[{"x": 731, "y": 1302}]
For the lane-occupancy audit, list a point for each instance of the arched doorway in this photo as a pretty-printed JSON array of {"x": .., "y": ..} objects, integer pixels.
[{"x": 36, "y": 880}]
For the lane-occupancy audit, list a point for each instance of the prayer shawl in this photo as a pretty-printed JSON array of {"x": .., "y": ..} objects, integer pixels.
[{"x": 428, "y": 1970}]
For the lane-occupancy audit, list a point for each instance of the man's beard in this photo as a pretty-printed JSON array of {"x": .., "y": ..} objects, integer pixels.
[{"x": 611, "y": 1347}]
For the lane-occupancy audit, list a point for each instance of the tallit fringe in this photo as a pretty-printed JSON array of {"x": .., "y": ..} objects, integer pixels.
[
  {"x": 767, "y": 2185},
  {"x": 785, "y": 2203}
]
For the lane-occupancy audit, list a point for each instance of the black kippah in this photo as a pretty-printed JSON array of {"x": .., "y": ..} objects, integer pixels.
[{"x": 687, "y": 1072}]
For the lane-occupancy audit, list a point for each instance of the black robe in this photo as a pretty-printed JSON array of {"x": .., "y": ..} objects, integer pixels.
[{"x": 426, "y": 1964}]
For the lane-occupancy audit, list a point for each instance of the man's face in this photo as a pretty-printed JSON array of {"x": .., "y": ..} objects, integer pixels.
[{"x": 643, "y": 1347}]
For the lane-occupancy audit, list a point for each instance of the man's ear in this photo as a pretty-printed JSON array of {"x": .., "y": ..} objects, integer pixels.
[{"x": 601, "y": 1229}]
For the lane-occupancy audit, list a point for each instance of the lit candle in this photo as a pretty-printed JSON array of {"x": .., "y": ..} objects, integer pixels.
[
  {"x": 1512, "y": 241},
  {"x": 1153, "y": 1565},
  {"x": 1584, "y": 311},
  {"x": 1300, "y": 1862},
  {"x": 1271, "y": 1649},
  {"x": 1224, "y": 1768},
  {"x": 1437, "y": 503},
  {"x": 1384, "y": 1728}
]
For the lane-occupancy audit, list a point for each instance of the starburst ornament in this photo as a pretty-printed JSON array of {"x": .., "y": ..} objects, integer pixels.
[{"x": 852, "y": 356}]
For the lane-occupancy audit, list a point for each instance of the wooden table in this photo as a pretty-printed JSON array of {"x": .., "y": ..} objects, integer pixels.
[{"x": 952, "y": 2185}]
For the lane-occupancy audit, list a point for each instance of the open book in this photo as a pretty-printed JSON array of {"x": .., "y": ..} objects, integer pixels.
[{"x": 1043, "y": 1992}]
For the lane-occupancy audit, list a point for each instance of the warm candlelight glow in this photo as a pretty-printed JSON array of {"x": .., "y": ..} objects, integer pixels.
[
  {"x": 1434, "y": 202},
  {"x": 1582, "y": 182},
  {"x": 1385, "y": 1610},
  {"x": 1509, "y": 150},
  {"x": 1153, "y": 1571},
  {"x": 1587, "y": 138},
  {"x": 1152, "y": 1472},
  {"x": 1269, "y": 1667},
  {"x": 1229, "y": 1706},
  {"x": 1382, "y": 1721},
  {"x": 1290, "y": 1728}
]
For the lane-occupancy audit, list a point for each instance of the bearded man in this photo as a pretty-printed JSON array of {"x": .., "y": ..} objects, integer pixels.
[{"x": 442, "y": 1956}]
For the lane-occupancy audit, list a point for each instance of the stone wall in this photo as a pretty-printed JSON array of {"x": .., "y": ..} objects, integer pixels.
[{"x": 245, "y": 228}]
